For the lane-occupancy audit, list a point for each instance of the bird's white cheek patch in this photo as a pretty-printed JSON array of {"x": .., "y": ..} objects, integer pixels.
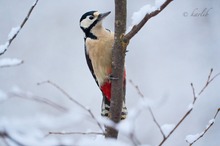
[{"x": 86, "y": 22}]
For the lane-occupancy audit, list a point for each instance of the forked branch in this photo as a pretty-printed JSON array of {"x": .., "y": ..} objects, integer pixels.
[
  {"x": 138, "y": 26},
  {"x": 74, "y": 101},
  {"x": 190, "y": 108}
]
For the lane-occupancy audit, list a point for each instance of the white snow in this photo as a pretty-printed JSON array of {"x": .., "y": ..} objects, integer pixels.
[
  {"x": 146, "y": 9},
  {"x": 211, "y": 122},
  {"x": 167, "y": 128},
  {"x": 9, "y": 62},
  {"x": 192, "y": 138},
  {"x": 101, "y": 142},
  {"x": 3, "y": 95},
  {"x": 4, "y": 47},
  {"x": 139, "y": 15},
  {"x": 34, "y": 3},
  {"x": 158, "y": 3},
  {"x": 13, "y": 32},
  {"x": 190, "y": 106}
]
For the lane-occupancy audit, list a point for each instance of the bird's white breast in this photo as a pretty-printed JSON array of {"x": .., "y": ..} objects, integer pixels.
[{"x": 100, "y": 53}]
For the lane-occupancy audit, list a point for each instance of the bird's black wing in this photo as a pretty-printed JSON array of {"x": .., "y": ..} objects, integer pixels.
[{"x": 89, "y": 63}]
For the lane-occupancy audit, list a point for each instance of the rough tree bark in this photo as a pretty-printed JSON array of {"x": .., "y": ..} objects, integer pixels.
[{"x": 118, "y": 57}]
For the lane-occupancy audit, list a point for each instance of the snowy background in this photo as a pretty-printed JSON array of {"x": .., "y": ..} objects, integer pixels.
[{"x": 171, "y": 51}]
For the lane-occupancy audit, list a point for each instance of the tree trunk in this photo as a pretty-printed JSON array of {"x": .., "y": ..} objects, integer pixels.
[{"x": 118, "y": 59}]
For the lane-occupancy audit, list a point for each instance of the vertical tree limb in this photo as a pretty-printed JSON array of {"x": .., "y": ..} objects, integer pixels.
[{"x": 118, "y": 57}]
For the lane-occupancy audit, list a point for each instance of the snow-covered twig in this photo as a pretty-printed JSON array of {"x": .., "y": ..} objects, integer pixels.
[
  {"x": 14, "y": 31},
  {"x": 192, "y": 104},
  {"x": 195, "y": 97},
  {"x": 8, "y": 62},
  {"x": 147, "y": 16},
  {"x": 191, "y": 139},
  {"x": 74, "y": 101}
]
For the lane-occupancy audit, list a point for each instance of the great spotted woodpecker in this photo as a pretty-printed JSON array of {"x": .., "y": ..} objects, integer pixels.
[{"x": 98, "y": 51}]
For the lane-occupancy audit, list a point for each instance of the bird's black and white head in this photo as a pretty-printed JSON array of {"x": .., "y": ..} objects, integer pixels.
[{"x": 91, "y": 20}]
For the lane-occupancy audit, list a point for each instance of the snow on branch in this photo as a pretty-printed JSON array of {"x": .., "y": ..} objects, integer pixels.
[
  {"x": 14, "y": 31},
  {"x": 8, "y": 62},
  {"x": 143, "y": 15},
  {"x": 191, "y": 139},
  {"x": 191, "y": 105},
  {"x": 167, "y": 129}
]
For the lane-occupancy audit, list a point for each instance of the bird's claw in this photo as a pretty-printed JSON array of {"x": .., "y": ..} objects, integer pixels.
[{"x": 111, "y": 77}]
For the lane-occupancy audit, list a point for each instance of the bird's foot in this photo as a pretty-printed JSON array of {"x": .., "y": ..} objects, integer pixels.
[{"x": 111, "y": 77}]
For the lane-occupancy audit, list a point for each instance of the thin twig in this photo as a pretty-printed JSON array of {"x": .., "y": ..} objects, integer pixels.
[
  {"x": 149, "y": 108},
  {"x": 194, "y": 101},
  {"x": 134, "y": 139},
  {"x": 74, "y": 101},
  {"x": 5, "y": 135},
  {"x": 194, "y": 93},
  {"x": 206, "y": 129},
  {"x": 75, "y": 133},
  {"x": 40, "y": 100},
  {"x": 137, "y": 27},
  {"x": 156, "y": 122},
  {"x": 8, "y": 43},
  {"x": 137, "y": 88},
  {"x": 209, "y": 80}
]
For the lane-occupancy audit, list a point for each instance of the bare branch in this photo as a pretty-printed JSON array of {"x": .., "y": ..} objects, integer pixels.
[
  {"x": 149, "y": 108},
  {"x": 155, "y": 121},
  {"x": 40, "y": 100},
  {"x": 194, "y": 93},
  {"x": 5, "y": 136},
  {"x": 211, "y": 123},
  {"x": 3, "y": 48},
  {"x": 137, "y": 27},
  {"x": 209, "y": 80},
  {"x": 75, "y": 133},
  {"x": 194, "y": 101},
  {"x": 137, "y": 89},
  {"x": 74, "y": 101}
]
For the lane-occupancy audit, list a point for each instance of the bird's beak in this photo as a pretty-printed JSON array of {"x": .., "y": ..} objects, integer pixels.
[{"x": 103, "y": 15}]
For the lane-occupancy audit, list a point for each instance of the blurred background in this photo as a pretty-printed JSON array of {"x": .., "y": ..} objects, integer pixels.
[{"x": 173, "y": 49}]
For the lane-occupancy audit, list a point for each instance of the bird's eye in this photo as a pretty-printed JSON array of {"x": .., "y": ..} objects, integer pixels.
[{"x": 91, "y": 17}]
